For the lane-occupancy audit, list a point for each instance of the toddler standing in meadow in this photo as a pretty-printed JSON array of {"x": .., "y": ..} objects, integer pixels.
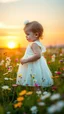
[{"x": 33, "y": 69}]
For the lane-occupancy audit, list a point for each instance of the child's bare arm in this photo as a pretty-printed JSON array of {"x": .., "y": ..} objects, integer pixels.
[{"x": 37, "y": 54}]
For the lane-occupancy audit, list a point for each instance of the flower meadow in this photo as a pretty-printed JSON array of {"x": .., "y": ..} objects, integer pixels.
[{"x": 16, "y": 99}]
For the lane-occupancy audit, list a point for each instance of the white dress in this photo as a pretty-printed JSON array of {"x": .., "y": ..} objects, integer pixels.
[{"x": 35, "y": 73}]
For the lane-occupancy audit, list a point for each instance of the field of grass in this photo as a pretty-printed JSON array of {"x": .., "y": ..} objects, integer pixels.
[{"x": 16, "y": 99}]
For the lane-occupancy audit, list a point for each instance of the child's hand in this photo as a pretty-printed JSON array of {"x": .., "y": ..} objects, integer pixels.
[{"x": 23, "y": 61}]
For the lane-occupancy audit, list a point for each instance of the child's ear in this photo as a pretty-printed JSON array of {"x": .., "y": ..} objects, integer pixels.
[{"x": 36, "y": 34}]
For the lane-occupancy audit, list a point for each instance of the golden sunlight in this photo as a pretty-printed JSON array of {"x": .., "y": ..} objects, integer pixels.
[{"x": 11, "y": 45}]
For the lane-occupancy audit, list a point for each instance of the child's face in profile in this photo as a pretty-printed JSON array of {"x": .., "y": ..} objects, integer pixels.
[{"x": 30, "y": 36}]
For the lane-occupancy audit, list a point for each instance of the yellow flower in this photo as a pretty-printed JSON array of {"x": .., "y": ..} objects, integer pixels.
[
  {"x": 55, "y": 76},
  {"x": 20, "y": 98},
  {"x": 23, "y": 92},
  {"x": 29, "y": 93},
  {"x": 19, "y": 104}
]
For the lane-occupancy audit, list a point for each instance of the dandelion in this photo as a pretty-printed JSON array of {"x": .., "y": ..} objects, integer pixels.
[
  {"x": 23, "y": 92},
  {"x": 20, "y": 98},
  {"x": 55, "y": 76},
  {"x": 18, "y": 105},
  {"x": 29, "y": 93}
]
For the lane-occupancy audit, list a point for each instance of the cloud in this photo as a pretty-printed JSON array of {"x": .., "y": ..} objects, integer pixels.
[{"x": 6, "y": 1}]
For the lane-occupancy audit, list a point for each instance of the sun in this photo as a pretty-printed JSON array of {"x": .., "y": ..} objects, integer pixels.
[{"x": 11, "y": 45}]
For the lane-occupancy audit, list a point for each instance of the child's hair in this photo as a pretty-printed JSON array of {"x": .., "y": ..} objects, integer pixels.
[{"x": 34, "y": 27}]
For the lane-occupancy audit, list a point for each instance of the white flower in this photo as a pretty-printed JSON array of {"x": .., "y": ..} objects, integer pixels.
[
  {"x": 59, "y": 105},
  {"x": 43, "y": 97},
  {"x": 5, "y": 87},
  {"x": 38, "y": 92},
  {"x": 8, "y": 112},
  {"x": 26, "y": 22},
  {"x": 56, "y": 108},
  {"x": 55, "y": 96},
  {"x": 45, "y": 92},
  {"x": 51, "y": 109},
  {"x": 41, "y": 104},
  {"x": 34, "y": 109},
  {"x": 5, "y": 78}
]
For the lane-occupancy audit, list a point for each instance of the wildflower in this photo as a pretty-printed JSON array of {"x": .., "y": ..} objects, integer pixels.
[
  {"x": 58, "y": 72},
  {"x": 8, "y": 112},
  {"x": 18, "y": 105},
  {"x": 55, "y": 96},
  {"x": 23, "y": 92},
  {"x": 56, "y": 108},
  {"x": 54, "y": 88},
  {"x": 34, "y": 109},
  {"x": 41, "y": 104},
  {"x": 59, "y": 105},
  {"x": 16, "y": 59},
  {"x": 45, "y": 92},
  {"x": 9, "y": 68},
  {"x": 5, "y": 87},
  {"x": 43, "y": 97},
  {"x": 29, "y": 93},
  {"x": 49, "y": 62},
  {"x": 55, "y": 76},
  {"x": 51, "y": 109},
  {"x": 6, "y": 78},
  {"x": 38, "y": 92},
  {"x": 20, "y": 98},
  {"x": 14, "y": 85},
  {"x": 61, "y": 61}
]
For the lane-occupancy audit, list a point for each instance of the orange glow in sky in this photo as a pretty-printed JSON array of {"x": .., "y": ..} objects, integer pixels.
[{"x": 13, "y": 14}]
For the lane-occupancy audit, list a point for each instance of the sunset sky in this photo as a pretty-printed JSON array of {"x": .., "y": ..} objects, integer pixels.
[{"x": 13, "y": 14}]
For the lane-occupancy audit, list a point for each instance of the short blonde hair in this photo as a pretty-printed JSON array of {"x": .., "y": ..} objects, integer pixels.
[{"x": 34, "y": 27}]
